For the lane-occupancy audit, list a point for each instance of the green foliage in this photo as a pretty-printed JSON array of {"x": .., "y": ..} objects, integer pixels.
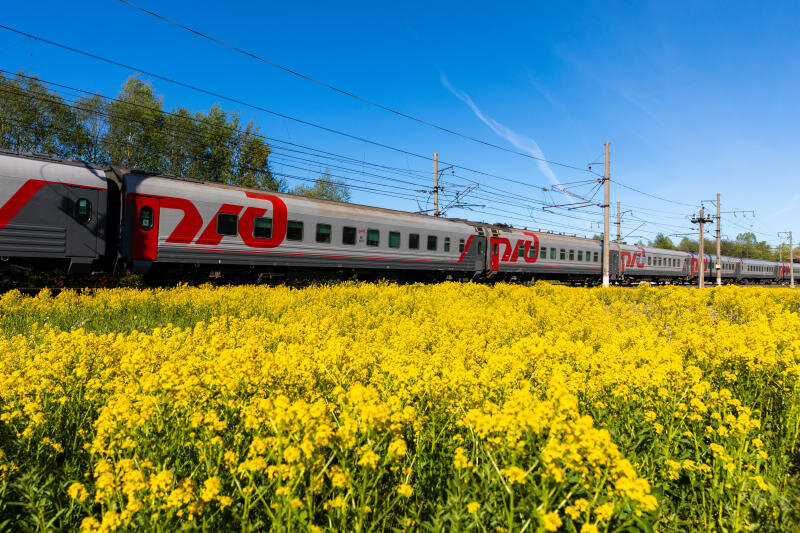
[
  {"x": 134, "y": 131},
  {"x": 746, "y": 245},
  {"x": 662, "y": 241},
  {"x": 326, "y": 187},
  {"x": 36, "y": 120}
]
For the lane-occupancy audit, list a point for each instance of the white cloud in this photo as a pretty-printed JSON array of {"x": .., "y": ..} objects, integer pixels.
[{"x": 523, "y": 142}]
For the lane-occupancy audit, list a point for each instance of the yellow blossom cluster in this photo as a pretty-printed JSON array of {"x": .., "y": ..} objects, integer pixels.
[{"x": 381, "y": 406}]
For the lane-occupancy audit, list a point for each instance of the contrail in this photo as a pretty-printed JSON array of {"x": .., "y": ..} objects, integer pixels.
[{"x": 522, "y": 142}]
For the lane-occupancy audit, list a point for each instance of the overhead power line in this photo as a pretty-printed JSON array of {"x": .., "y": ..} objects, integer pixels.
[
  {"x": 344, "y": 91},
  {"x": 651, "y": 195},
  {"x": 253, "y": 106},
  {"x": 273, "y": 139},
  {"x": 497, "y": 198}
]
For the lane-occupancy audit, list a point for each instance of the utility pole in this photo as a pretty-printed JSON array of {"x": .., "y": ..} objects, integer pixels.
[
  {"x": 701, "y": 260},
  {"x": 791, "y": 256},
  {"x": 435, "y": 184},
  {"x": 719, "y": 246},
  {"x": 619, "y": 224},
  {"x": 606, "y": 206}
]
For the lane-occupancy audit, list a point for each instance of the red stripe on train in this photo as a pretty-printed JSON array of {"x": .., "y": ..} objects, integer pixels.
[{"x": 24, "y": 194}]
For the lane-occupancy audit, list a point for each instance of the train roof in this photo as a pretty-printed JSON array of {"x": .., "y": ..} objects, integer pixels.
[
  {"x": 144, "y": 173},
  {"x": 52, "y": 159},
  {"x": 15, "y": 164}
]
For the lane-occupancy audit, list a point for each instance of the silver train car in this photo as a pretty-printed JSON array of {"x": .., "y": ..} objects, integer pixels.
[{"x": 57, "y": 214}]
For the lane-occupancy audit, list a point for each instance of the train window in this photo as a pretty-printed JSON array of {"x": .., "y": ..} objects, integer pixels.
[
  {"x": 324, "y": 233},
  {"x": 227, "y": 224},
  {"x": 413, "y": 241},
  {"x": 532, "y": 252},
  {"x": 562, "y": 254},
  {"x": 447, "y": 244},
  {"x": 572, "y": 255},
  {"x": 146, "y": 218},
  {"x": 348, "y": 235},
  {"x": 543, "y": 252},
  {"x": 596, "y": 257},
  {"x": 432, "y": 244},
  {"x": 294, "y": 230},
  {"x": 588, "y": 256},
  {"x": 83, "y": 211},
  {"x": 394, "y": 239},
  {"x": 461, "y": 245},
  {"x": 480, "y": 247},
  {"x": 552, "y": 253},
  {"x": 262, "y": 228},
  {"x": 521, "y": 249},
  {"x": 373, "y": 237},
  {"x": 580, "y": 255},
  {"x": 648, "y": 259}
]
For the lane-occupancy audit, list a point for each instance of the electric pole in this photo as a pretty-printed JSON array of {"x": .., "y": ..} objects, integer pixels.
[
  {"x": 435, "y": 184},
  {"x": 719, "y": 246},
  {"x": 619, "y": 224},
  {"x": 701, "y": 260},
  {"x": 791, "y": 256},
  {"x": 606, "y": 206}
]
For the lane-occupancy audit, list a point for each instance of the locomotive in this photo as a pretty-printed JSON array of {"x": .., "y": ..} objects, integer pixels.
[{"x": 84, "y": 218}]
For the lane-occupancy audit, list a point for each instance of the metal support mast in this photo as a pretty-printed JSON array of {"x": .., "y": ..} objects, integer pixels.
[
  {"x": 719, "y": 246},
  {"x": 606, "y": 206},
  {"x": 701, "y": 259},
  {"x": 619, "y": 224},
  {"x": 791, "y": 256},
  {"x": 435, "y": 184}
]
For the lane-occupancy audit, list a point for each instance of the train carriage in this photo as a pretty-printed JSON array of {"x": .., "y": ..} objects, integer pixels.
[
  {"x": 652, "y": 264},
  {"x": 759, "y": 270},
  {"x": 523, "y": 254},
  {"x": 53, "y": 213},
  {"x": 172, "y": 221}
]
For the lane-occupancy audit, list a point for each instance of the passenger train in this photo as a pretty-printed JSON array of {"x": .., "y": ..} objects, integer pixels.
[{"x": 82, "y": 218}]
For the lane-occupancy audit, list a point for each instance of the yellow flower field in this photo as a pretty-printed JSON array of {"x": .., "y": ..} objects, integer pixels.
[{"x": 424, "y": 407}]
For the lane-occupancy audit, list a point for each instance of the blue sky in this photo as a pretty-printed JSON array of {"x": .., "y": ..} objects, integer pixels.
[{"x": 695, "y": 97}]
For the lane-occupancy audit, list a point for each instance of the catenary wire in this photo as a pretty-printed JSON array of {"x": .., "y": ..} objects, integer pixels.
[{"x": 347, "y": 92}]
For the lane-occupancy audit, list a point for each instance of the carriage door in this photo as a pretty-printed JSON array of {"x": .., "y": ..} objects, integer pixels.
[
  {"x": 495, "y": 254},
  {"x": 614, "y": 271},
  {"x": 144, "y": 245},
  {"x": 82, "y": 207}
]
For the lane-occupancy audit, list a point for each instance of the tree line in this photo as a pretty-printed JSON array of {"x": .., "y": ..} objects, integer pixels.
[
  {"x": 745, "y": 245},
  {"x": 134, "y": 131}
]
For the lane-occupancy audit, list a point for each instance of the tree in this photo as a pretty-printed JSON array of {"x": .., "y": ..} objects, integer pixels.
[
  {"x": 180, "y": 130},
  {"x": 326, "y": 187},
  {"x": 35, "y": 119},
  {"x": 662, "y": 241},
  {"x": 90, "y": 113},
  {"x": 251, "y": 164},
  {"x": 687, "y": 245},
  {"x": 134, "y": 131},
  {"x": 135, "y": 134}
]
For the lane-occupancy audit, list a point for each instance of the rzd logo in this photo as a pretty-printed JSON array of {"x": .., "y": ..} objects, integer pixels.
[
  {"x": 510, "y": 253},
  {"x": 191, "y": 223}
]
